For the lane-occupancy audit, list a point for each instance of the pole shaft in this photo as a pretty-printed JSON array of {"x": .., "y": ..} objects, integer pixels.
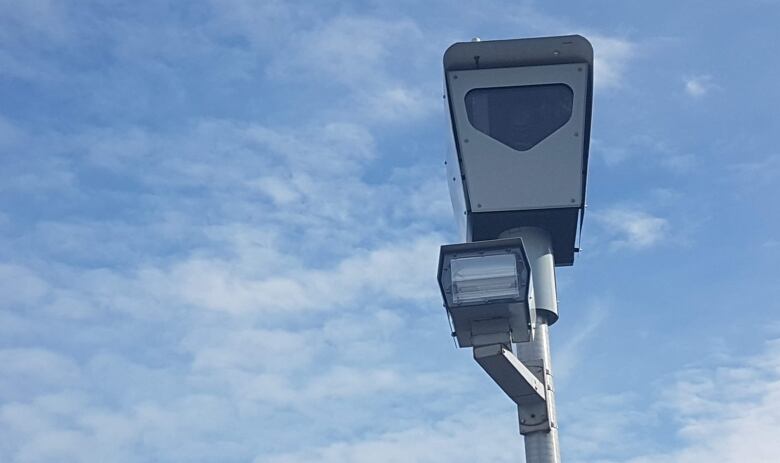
[{"x": 541, "y": 446}]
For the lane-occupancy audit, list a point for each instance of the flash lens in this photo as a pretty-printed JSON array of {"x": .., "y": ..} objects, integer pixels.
[{"x": 484, "y": 278}]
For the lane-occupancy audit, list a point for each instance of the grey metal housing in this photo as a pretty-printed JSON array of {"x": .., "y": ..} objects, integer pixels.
[{"x": 494, "y": 188}]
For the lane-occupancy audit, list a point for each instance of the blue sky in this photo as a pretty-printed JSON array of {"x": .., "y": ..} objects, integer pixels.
[{"x": 220, "y": 220}]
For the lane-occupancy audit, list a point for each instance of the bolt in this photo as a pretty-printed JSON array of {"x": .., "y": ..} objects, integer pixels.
[
  {"x": 465, "y": 140},
  {"x": 455, "y": 77},
  {"x": 479, "y": 205}
]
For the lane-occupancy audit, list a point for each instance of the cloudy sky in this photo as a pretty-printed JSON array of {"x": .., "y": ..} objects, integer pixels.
[{"x": 219, "y": 224}]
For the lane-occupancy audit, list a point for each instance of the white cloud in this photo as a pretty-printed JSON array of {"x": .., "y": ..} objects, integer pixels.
[
  {"x": 728, "y": 414},
  {"x": 263, "y": 24},
  {"x": 281, "y": 191},
  {"x": 699, "y": 86},
  {"x": 20, "y": 286},
  {"x": 485, "y": 434},
  {"x": 355, "y": 52},
  {"x": 611, "y": 58},
  {"x": 398, "y": 102},
  {"x": 572, "y": 349},
  {"x": 350, "y": 49},
  {"x": 758, "y": 173},
  {"x": 632, "y": 228},
  {"x": 680, "y": 163},
  {"x": 35, "y": 369},
  {"x": 400, "y": 271},
  {"x": 648, "y": 149},
  {"x": 80, "y": 431},
  {"x": 607, "y": 428}
]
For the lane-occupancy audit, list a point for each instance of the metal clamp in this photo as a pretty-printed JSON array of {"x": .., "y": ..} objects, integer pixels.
[{"x": 536, "y": 416}]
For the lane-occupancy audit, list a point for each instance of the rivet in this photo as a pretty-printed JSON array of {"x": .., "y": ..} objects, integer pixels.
[{"x": 465, "y": 140}]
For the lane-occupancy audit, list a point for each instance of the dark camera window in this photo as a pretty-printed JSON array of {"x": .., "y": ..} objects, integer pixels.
[{"x": 520, "y": 117}]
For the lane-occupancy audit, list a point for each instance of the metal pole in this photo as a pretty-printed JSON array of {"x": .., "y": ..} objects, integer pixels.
[{"x": 541, "y": 446}]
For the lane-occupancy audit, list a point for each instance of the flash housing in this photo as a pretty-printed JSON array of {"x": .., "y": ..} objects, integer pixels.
[{"x": 487, "y": 284}]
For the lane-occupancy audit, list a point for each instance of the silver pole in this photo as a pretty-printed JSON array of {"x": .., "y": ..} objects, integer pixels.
[{"x": 541, "y": 446}]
